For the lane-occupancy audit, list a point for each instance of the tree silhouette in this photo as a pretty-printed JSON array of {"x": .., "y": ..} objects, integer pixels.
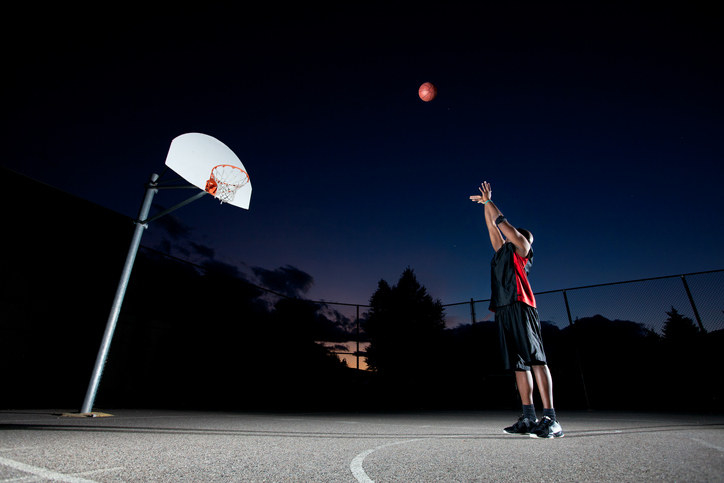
[
  {"x": 679, "y": 327},
  {"x": 405, "y": 327}
]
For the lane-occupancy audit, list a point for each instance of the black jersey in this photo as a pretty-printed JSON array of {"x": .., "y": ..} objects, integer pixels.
[{"x": 509, "y": 278}]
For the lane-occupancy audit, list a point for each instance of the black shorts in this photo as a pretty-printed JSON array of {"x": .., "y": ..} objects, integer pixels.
[{"x": 520, "y": 336}]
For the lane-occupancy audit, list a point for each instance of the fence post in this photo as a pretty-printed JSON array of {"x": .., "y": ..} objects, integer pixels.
[
  {"x": 578, "y": 353},
  {"x": 472, "y": 310},
  {"x": 357, "y": 351},
  {"x": 693, "y": 305}
]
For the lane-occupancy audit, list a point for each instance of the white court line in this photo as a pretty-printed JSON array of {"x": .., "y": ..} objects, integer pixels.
[
  {"x": 42, "y": 472},
  {"x": 356, "y": 465},
  {"x": 83, "y": 473},
  {"x": 707, "y": 444},
  {"x": 598, "y": 432},
  {"x": 22, "y": 478}
]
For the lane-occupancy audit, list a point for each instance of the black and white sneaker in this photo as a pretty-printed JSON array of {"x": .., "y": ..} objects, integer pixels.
[
  {"x": 547, "y": 428},
  {"x": 523, "y": 426}
]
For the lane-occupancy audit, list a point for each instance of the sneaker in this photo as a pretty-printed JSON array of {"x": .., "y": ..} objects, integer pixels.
[
  {"x": 523, "y": 426},
  {"x": 547, "y": 428}
]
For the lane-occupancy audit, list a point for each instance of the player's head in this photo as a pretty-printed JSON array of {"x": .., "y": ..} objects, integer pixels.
[{"x": 528, "y": 235}]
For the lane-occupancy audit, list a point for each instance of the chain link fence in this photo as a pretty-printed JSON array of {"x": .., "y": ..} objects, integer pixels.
[
  {"x": 608, "y": 345},
  {"x": 698, "y": 296},
  {"x": 632, "y": 343}
]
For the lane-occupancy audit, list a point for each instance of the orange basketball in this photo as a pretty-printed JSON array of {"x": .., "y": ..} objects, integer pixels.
[{"x": 427, "y": 91}]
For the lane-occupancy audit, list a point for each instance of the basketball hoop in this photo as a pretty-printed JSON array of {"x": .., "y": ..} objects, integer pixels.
[{"x": 225, "y": 180}]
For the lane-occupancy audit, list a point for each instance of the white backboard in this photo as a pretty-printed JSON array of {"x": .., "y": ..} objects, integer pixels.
[{"x": 194, "y": 155}]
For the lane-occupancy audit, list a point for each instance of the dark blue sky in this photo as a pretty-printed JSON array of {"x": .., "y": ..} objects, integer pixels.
[{"x": 600, "y": 129}]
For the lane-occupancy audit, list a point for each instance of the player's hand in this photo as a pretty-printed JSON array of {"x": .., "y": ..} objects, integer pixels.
[{"x": 485, "y": 193}]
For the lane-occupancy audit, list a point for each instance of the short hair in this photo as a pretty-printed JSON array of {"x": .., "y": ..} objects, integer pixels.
[{"x": 528, "y": 235}]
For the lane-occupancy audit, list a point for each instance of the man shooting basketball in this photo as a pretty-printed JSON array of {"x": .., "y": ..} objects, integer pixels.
[{"x": 515, "y": 310}]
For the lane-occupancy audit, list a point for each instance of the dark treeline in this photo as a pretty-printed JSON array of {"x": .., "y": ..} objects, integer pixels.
[
  {"x": 596, "y": 363},
  {"x": 201, "y": 337}
]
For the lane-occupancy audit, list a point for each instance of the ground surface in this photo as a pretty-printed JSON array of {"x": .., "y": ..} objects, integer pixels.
[{"x": 149, "y": 446}]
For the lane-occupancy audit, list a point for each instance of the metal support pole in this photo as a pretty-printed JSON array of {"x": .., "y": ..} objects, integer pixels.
[
  {"x": 173, "y": 208},
  {"x": 693, "y": 305},
  {"x": 472, "y": 310},
  {"x": 578, "y": 352},
  {"x": 118, "y": 300}
]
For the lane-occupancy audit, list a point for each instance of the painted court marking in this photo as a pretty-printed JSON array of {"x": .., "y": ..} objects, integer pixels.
[
  {"x": 356, "y": 465},
  {"x": 49, "y": 474},
  {"x": 701, "y": 441},
  {"x": 599, "y": 432}
]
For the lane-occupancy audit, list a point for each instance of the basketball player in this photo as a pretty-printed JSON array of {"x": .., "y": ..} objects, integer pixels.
[{"x": 519, "y": 327}]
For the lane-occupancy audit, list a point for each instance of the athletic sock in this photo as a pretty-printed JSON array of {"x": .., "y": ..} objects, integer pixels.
[
  {"x": 551, "y": 413},
  {"x": 529, "y": 411}
]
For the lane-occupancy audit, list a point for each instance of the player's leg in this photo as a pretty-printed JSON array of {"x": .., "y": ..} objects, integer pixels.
[
  {"x": 508, "y": 324},
  {"x": 548, "y": 426},
  {"x": 545, "y": 384},
  {"x": 528, "y": 420},
  {"x": 532, "y": 347},
  {"x": 524, "y": 380}
]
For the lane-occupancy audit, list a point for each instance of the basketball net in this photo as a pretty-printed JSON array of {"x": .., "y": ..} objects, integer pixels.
[{"x": 225, "y": 181}]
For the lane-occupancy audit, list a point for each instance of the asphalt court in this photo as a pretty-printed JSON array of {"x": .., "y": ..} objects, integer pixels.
[{"x": 149, "y": 445}]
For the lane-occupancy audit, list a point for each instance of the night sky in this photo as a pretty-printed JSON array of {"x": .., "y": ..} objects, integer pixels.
[{"x": 599, "y": 128}]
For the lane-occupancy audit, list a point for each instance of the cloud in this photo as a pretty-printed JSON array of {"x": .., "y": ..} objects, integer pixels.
[
  {"x": 172, "y": 226},
  {"x": 336, "y": 318},
  {"x": 203, "y": 250},
  {"x": 287, "y": 280},
  {"x": 214, "y": 267},
  {"x": 164, "y": 246},
  {"x": 167, "y": 246},
  {"x": 177, "y": 236}
]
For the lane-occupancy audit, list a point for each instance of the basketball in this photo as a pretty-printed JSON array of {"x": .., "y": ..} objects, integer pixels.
[{"x": 427, "y": 92}]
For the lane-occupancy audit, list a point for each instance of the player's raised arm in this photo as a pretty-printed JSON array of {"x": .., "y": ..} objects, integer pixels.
[
  {"x": 496, "y": 239},
  {"x": 522, "y": 244},
  {"x": 498, "y": 224}
]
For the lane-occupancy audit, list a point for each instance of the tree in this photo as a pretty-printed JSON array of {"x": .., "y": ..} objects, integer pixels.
[
  {"x": 679, "y": 327},
  {"x": 405, "y": 327}
]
